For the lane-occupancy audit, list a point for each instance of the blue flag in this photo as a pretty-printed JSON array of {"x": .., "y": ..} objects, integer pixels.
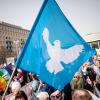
[{"x": 54, "y": 50}]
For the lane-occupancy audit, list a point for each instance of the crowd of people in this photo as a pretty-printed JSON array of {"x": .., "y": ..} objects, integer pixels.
[{"x": 85, "y": 85}]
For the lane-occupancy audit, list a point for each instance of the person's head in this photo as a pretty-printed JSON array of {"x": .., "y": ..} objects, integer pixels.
[
  {"x": 35, "y": 77},
  {"x": 77, "y": 76},
  {"x": 81, "y": 94},
  {"x": 98, "y": 79},
  {"x": 88, "y": 80},
  {"x": 21, "y": 96},
  {"x": 43, "y": 96},
  {"x": 15, "y": 87},
  {"x": 58, "y": 96}
]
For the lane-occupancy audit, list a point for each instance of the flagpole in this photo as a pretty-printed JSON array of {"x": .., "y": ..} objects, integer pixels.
[{"x": 8, "y": 83}]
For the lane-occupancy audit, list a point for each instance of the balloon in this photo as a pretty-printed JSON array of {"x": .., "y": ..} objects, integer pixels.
[{"x": 3, "y": 83}]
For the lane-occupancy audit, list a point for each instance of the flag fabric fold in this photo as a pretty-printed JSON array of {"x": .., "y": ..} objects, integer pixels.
[{"x": 54, "y": 50}]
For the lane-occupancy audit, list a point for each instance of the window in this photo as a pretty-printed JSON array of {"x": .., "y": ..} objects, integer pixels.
[
  {"x": 9, "y": 45},
  {"x": 6, "y": 37}
]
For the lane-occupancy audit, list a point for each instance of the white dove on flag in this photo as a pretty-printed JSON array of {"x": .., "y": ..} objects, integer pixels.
[{"x": 58, "y": 55}]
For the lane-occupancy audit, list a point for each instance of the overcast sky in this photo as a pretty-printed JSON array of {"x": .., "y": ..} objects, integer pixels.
[{"x": 84, "y": 15}]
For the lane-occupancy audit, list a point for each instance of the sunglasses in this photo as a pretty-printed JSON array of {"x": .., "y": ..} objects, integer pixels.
[
  {"x": 55, "y": 97},
  {"x": 76, "y": 77}
]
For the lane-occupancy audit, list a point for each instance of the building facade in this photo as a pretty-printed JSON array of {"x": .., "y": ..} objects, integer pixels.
[
  {"x": 93, "y": 39},
  {"x": 12, "y": 38}
]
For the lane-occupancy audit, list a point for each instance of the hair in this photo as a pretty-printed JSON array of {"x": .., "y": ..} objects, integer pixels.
[
  {"x": 35, "y": 77},
  {"x": 98, "y": 79},
  {"x": 16, "y": 85},
  {"x": 43, "y": 96},
  {"x": 21, "y": 94},
  {"x": 76, "y": 95}
]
